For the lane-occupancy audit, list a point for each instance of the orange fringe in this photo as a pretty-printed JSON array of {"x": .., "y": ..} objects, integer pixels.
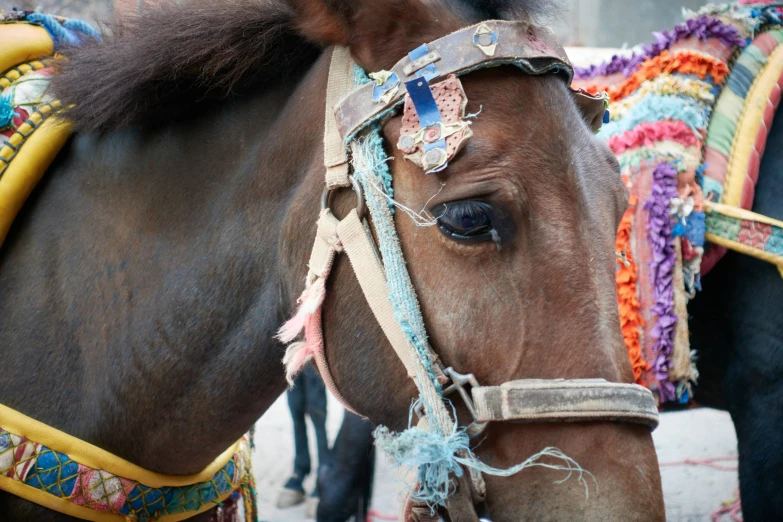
[
  {"x": 683, "y": 62},
  {"x": 631, "y": 320}
]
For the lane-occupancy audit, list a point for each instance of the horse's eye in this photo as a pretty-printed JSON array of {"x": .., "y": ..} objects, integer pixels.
[{"x": 466, "y": 221}]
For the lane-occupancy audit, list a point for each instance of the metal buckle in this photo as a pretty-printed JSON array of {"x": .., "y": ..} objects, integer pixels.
[
  {"x": 458, "y": 383},
  {"x": 326, "y": 197}
]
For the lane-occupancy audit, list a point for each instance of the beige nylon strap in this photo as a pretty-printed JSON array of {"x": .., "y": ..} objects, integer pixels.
[
  {"x": 325, "y": 246},
  {"x": 340, "y": 83},
  {"x": 572, "y": 400},
  {"x": 360, "y": 247},
  {"x": 358, "y": 243}
]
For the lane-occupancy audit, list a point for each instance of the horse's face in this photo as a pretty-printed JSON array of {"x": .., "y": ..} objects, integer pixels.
[{"x": 515, "y": 280}]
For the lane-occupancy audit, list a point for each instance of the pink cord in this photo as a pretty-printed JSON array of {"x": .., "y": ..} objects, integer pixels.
[
  {"x": 733, "y": 509},
  {"x": 374, "y": 513},
  {"x": 708, "y": 462}
]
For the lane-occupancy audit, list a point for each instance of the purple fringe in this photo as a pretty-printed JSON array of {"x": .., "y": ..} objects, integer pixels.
[
  {"x": 703, "y": 27},
  {"x": 659, "y": 234}
]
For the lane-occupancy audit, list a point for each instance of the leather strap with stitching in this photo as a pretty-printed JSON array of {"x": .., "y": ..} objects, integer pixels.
[
  {"x": 534, "y": 49},
  {"x": 566, "y": 400}
]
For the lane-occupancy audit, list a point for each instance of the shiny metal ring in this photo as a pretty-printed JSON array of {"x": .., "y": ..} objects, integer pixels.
[{"x": 326, "y": 197}]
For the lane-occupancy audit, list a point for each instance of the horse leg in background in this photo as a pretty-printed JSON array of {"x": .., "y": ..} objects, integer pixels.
[
  {"x": 345, "y": 482},
  {"x": 753, "y": 386},
  {"x": 752, "y": 304},
  {"x": 293, "y": 493},
  {"x": 737, "y": 329},
  {"x": 315, "y": 405}
]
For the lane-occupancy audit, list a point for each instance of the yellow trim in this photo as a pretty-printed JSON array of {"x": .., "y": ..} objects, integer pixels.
[
  {"x": 740, "y": 213},
  {"x": 752, "y": 117},
  {"x": 747, "y": 250},
  {"x": 23, "y": 173},
  {"x": 96, "y": 458},
  {"x": 23, "y": 42},
  {"x": 66, "y": 507},
  {"x": 17, "y": 72}
]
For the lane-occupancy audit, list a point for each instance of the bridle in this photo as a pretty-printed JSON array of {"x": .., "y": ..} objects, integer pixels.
[{"x": 351, "y": 113}]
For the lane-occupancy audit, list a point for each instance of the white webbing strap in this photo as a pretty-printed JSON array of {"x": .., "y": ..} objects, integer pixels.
[{"x": 340, "y": 83}]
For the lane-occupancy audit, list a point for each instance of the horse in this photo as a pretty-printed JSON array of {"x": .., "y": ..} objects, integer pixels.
[
  {"x": 345, "y": 482},
  {"x": 143, "y": 283},
  {"x": 735, "y": 323}
]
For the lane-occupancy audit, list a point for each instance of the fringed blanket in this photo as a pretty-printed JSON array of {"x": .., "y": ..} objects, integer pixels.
[{"x": 689, "y": 118}]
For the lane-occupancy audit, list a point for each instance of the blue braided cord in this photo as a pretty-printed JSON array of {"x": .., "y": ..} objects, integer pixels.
[
  {"x": 69, "y": 33},
  {"x": 401, "y": 292},
  {"x": 80, "y": 26},
  {"x": 6, "y": 110}
]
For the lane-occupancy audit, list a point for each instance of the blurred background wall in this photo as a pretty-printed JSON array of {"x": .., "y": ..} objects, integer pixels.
[
  {"x": 590, "y": 23},
  {"x": 613, "y": 23}
]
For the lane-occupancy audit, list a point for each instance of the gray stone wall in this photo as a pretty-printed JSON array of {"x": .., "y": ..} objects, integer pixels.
[{"x": 613, "y": 23}]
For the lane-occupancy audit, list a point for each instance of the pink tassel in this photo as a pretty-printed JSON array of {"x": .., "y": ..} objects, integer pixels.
[
  {"x": 310, "y": 301},
  {"x": 299, "y": 354},
  {"x": 296, "y": 356}
]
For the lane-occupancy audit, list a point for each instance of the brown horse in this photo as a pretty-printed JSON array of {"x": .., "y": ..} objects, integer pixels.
[{"x": 143, "y": 283}]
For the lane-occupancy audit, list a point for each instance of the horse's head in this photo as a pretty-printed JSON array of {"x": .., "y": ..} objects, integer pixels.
[{"x": 515, "y": 274}]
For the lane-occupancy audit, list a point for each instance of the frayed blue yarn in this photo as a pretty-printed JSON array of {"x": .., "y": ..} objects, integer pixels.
[
  {"x": 654, "y": 108},
  {"x": 6, "y": 110},
  {"x": 360, "y": 78},
  {"x": 70, "y": 32},
  {"x": 437, "y": 456},
  {"x": 695, "y": 228}
]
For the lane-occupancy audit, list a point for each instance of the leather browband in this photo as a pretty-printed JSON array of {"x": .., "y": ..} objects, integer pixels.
[
  {"x": 532, "y": 48},
  {"x": 562, "y": 400}
]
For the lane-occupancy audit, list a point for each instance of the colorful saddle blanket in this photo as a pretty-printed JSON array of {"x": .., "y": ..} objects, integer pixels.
[
  {"x": 689, "y": 119},
  {"x": 37, "y": 462}
]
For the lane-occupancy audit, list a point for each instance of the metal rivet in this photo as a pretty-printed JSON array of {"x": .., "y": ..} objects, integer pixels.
[
  {"x": 485, "y": 39},
  {"x": 432, "y": 134}
]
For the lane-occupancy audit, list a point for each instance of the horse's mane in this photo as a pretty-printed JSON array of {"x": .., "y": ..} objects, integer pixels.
[
  {"x": 155, "y": 66},
  {"x": 159, "y": 63}
]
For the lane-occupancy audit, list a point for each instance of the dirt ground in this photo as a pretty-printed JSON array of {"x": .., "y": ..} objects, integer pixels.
[{"x": 692, "y": 492}]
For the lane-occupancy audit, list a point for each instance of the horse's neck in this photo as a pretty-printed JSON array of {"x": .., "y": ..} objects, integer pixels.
[{"x": 141, "y": 286}]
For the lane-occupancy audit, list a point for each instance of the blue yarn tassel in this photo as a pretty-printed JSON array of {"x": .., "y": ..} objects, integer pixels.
[{"x": 437, "y": 456}]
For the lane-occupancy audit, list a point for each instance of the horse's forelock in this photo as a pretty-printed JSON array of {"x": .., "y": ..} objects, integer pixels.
[
  {"x": 172, "y": 56},
  {"x": 157, "y": 65}
]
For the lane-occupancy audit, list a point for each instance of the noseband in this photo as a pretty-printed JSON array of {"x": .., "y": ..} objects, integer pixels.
[{"x": 351, "y": 114}]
